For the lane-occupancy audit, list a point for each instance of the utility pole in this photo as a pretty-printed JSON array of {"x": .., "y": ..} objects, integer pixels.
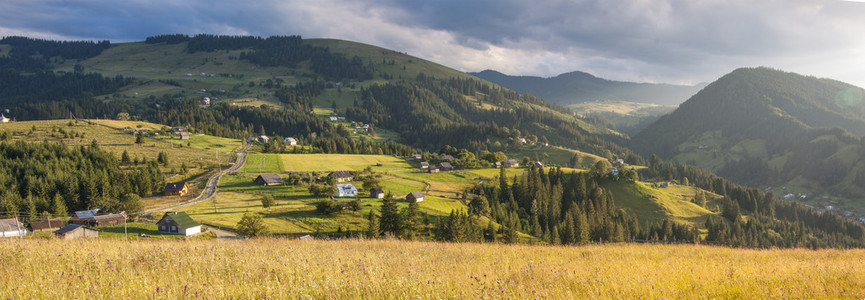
[{"x": 125, "y": 231}]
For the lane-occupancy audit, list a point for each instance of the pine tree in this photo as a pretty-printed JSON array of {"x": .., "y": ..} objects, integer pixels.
[
  {"x": 372, "y": 229},
  {"x": 124, "y": 158},
  {"x": 411, "y": 220},
  {"x": 59, "y": 206},
  {"x": 390, "y": 218}
]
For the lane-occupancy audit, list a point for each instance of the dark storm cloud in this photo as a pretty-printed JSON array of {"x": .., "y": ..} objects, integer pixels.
[{"x": 651, "y": 40}]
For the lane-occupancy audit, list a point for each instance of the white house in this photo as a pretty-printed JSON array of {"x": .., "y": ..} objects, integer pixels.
[
  {"x": 345, "y": 190},
  {"x": 290, "y": 141},
  {"x": 4, "y": 119},
  {"x": 11, "y": 227}
]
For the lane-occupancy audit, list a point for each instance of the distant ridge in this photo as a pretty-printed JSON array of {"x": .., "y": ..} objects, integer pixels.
[{"x": 579, "y": 87}]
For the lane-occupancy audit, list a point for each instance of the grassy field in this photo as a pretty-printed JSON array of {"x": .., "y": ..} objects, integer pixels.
[
  {"x": 391, "y": 269},
  {"x": 333, "y": 162},
  {"x": 654, "y": 204}
]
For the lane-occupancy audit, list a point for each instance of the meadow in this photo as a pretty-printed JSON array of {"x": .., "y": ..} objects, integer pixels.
[{"x": 393, "y": 269}]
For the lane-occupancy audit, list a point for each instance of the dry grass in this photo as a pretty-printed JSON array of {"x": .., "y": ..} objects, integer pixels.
[{"x": 358, "y": 269}]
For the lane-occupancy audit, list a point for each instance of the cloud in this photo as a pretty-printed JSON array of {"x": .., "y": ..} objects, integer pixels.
[{"x": 681, "y": 41}]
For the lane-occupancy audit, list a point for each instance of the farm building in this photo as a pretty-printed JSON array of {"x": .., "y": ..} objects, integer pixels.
[
  {"x": 512, "y": 163},
  {"x": 268, "y": 179},
  {"x": 446, "y": 166},
  {"x": 184, "y": 135},
  {"x": 424, "y": 165},
  {"x": 433, "y": 169},
  {"x": 107, "y": 220},
  {"x": 290, "y": 141},
  {"x": 178, "y": 222},
  {"x": 345, "y": 190},
  {"x": 263, "y": 139},
  {"x": 376, "y": 193},
  {"x": 177, "y": 130},
  {"x": 11, "y": 227},
  {"x": 4, "y": 119},
  {"x": 83, "y": 216},
  {"x": 341, "y": 176},
  {"x": 447, "y": 157},
  {"x": 46, "y": 225},
  {"x": 414, "y": 197},
  {"x": 417, "y": 156},
  {"x": 74, "y": 231},
  {"x": 614, "y": 171},
  {"x": 176, "y": 188}
]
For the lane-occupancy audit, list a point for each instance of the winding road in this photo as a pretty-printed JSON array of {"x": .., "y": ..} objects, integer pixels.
[{"x": 209, "y": 189}]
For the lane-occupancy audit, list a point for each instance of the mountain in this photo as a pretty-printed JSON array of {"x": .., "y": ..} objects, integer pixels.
[
  {"x": 164, "y": 78},
  {"x": 764, "y": 127},
  {"x": 579, "y": 87}
]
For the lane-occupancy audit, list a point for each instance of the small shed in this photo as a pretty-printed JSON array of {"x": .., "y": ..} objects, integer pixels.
[
  {"x": 376, "y": 193},
  {"x": 424, "y": 165},
  {"x": 184, "y": 135},
  {"x": 539, "y": 164},
  {"x": 176, "y": 188},
  {"x": 417, "y": 156},
  {"x": 46, "y": 225},
  {"x": 263, "y": 139},
  {"x": 414, "y": 197},
  {"x": 433, "y": 169},
  {"x": 11, "y": 227},
  {"x": 511, "y": 163},
  {"x": 268, "y": 179},
  {"x": 74, "y": 231},
  {"x": 108, "y": 220},
  {"x": 178, "y": 222}
]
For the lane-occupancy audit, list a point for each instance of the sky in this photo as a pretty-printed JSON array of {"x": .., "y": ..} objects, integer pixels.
[{"x": 660, "y": 41}]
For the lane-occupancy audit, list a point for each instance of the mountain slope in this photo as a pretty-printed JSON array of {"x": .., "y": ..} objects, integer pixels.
[
  {"x": 763, "y": 127},
  {"x": 578, "y": 87}
]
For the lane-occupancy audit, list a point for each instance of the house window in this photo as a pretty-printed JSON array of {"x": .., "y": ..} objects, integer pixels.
[
  {"x": 161, "y": 227},
  {"x": 173, "y": 228}
]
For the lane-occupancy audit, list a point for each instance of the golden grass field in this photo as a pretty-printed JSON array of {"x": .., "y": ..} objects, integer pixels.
[{"x": 392, "y": 269}]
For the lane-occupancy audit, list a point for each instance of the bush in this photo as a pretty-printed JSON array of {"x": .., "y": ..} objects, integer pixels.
[{"x": 327, "y": 207}]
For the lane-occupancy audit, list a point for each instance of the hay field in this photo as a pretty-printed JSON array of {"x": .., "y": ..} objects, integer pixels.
[{"x": 391, "y": 269}]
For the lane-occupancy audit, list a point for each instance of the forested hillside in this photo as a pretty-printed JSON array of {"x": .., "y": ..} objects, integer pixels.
[{"x": 763, "y": 127}]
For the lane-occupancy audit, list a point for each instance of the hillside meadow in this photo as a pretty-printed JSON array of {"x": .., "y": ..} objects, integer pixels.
[{"x": 392, "y": 269}]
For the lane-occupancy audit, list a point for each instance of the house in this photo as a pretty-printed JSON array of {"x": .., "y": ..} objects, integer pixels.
[
  {"x": 447, "y": 157},
  {"x": 539, "y": 164},
  {"x": 268, "y": 179},
  {"x": 341, "y": 176},
  {"x": 620, "y": 161},
  {"x": 376, "y": 193},
  {"x": 523, "y": 140},
  {"x": 177, "y": 130},
  {"x": 83, "y": 216},
  {"x": 107, "y": 220},
  {"x": 333, "y": 118},
  {"x": 446, "y": 166},
  {"x": 417, "y": 156},
  {"x": 424, "y": 165},
  {"x": 11, "y": 227},
  {"x": 497, "y": 165},
  {"x": 184, "y": 135},
  {"x": 433, "y": 169},
  {"x": 205, "y": 101},
  {"x": 46, "y": 225},
  {"x": 4, "y": 119},
  {"x": 614, "y": 171},
  {"x": 178, "y": 222},
  {"x": 345, "y": 190},
  {"x": 290, "y": 141},
  {"x": 176, "y": 188},
  {"x": 414, "y": 197},
  {"x": 74, "y": 231},
  {"x": 511, "y": 163},
  {"x": 263, "y": 139}
]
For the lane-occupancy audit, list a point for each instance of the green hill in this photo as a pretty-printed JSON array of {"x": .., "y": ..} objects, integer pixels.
[{"x": 767, "y": 128}]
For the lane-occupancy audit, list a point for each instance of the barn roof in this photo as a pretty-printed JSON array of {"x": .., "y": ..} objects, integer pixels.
[
  {"x": 340, "y": 174},
  {"x": 11, "y": 224},
  {"x": 174, "y": 186},
  {"x": 181, "y": 218},
  {"x": 270, "y": 178}
]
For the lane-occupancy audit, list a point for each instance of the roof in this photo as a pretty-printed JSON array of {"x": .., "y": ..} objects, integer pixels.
[
  {"x": 181, "y": 218},
  {"x": 447, "y": 157},
  {"x": 86, "y": 214},
  {"x": 340, "y": 174},
  {"x": 68, "y": 228},
  {"x": 416, "y": 195},
  {"x": 377, "y": 191},
  {"x": 46, "y": 224},
  {"x": 109, "y": 217},
  {"x": 512, "y": 161},
  {"x": 10, "y": 225},
  {"x": 446, "y": 165},
  {"x": 270, "y": 178},
  {"x": 174, "y": 186},
  {"x": 290, "y": 139},
  {"x": 347, "y": 186}
]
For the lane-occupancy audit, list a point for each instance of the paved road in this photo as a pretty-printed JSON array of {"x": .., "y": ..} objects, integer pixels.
[{"x": 210, "y": 188}]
